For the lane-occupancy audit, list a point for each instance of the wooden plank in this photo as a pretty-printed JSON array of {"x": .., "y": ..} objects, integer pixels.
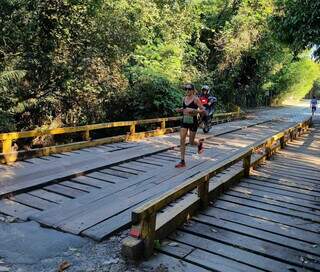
[
  {"x": 298, "y": 183},
  {"x": 54, "y": 216},
  {"x": 96, "y": 150},
  {"x": 117, "y": 173},
  {"x": 104, "y": 177},
  {"x": 263, "y": 224},
  {"x": 296, "y": 160},
  {"x": 290, "y": 164},
  {"x": 180, "y": 250},
  {"x": 299, "y": 158},
  {"x": 305, "y": 193},
  {"x": 297, "y": 204},
  {"x": 64, "y": 190},
  {"x": 278, "y": 191},
  {"x": 126, "y": 144},
  {"x": 36, "y": 161},
  {"x": 93, "y": 182},
  {"x": 264, "y": 248},
  {"x": 167, "y": 155},
  {"x": 140, "y": 166},
  {"x": 62, "y": 171},
  {"x": 217, "y": 262},
  {"x": 305, "y": 167},
  {"x": 32, "y": 201},
  {"x": 111, "y": 225},
  {"x": 175, "y": 209},
  {"x": 95, "y": 212},
  {"x": 272, "y": 216},
  {"x": 259, "y": 234},
  {"x": 126, "y": 170},
  {"x": 107, "y": 227},
  {"x": 79, "y": 186},
  {"x": 109, "y": 177},
  {"x": 233, "y": 253},
  {"x": 161, "y": 160},
  {"x": 150, "y": 162},
  {"x": 289, "y": 174},
  {"x": 46, "y": 195},
  {"x": 302, "y": 151},
  {"x": 133, "y": 166},
  {"x": 269, "y": 206},
  {"x": 108, "y": 147},
  {"x": 16, "y": 209},
  {"x": 99, "y": 212}
]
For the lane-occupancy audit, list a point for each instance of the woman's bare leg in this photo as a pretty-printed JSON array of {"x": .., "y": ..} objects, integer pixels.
[
  {"x": 192, "y": 136},
  {"x": 192, "y": 141},
  {"x": 183, "y": 136}
]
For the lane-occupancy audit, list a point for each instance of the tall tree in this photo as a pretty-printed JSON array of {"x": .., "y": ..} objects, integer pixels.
[{"x": 297, "y": 22}]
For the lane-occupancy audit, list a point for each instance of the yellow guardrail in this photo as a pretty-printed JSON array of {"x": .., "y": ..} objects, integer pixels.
[{"x": 7, "y": 139}]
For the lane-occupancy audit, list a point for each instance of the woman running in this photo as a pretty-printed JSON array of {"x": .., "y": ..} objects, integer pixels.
[{"x": 191, "y": 106}]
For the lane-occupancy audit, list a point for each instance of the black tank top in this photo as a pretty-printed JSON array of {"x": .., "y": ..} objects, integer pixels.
[{"x": 192, "y": 105}]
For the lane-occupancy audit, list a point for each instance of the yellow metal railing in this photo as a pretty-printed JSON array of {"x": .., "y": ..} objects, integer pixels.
[{"x": 7, "y": 139}]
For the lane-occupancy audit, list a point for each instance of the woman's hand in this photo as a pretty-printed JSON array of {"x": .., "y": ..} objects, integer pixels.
[
  {"x": 179, "y": 110},
  {"x": 189, "y": 111}
]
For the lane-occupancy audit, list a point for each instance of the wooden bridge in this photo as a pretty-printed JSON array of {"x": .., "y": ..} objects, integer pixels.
[
  {"x": 96, "y": 187},
  {"x": 269, "y": 221}
]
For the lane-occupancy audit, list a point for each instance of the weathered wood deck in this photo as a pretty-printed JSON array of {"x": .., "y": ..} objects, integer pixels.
[
  {"x": 267, "y": 222},
  {"x": 92, "y": 192}
]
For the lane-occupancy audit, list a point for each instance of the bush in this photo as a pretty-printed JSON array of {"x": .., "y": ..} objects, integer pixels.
[{"x": 153, "y": 97}]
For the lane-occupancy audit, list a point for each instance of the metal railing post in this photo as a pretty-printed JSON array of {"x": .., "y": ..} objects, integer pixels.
[
  {"x": 6, "y": 146},
  {"x": 163, "y": 124},
  {"x": 132, "y": 129}
]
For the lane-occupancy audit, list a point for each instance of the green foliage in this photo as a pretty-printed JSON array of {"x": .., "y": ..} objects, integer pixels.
[
  {"x": 102, "y": 60},
  {"x": 297, "y": 23},
  {"x": 153, "y": 98},
  {"x": 295, "y": 80},
  {"x": 315, "y": 91}
]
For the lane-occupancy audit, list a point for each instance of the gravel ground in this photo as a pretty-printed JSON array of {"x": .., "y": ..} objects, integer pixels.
[{"x": 27, "y": 247}]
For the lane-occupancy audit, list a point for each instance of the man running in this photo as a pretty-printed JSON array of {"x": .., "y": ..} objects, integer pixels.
[{"x": 313, "y": 105}]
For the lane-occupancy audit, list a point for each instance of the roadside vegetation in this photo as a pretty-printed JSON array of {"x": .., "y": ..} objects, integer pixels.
[{"x": 66, "y": 62}]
